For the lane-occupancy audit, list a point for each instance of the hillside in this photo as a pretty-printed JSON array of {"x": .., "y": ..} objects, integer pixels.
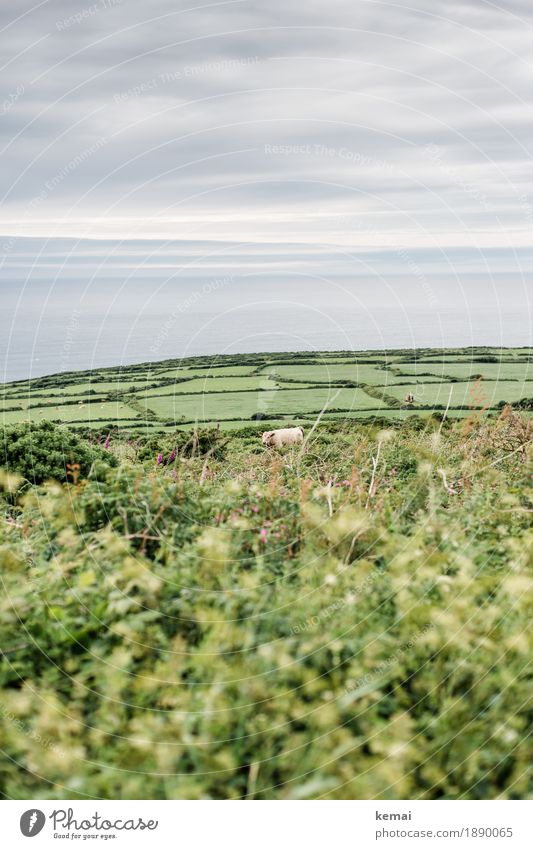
[{"x": 231, "y": 391}]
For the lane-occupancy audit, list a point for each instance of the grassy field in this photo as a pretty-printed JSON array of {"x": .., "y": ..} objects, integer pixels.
[
  {"x": 519, "y": 371},
  {"x": 207, "y": 407},
  {"x": 483, "y": 393},
  {"x": 187, "y": 614},
  {"x": 235, "y": 390}
]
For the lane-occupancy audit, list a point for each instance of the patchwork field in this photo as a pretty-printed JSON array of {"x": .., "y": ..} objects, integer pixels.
[
  {"x": 208, "y": 385},
  {"x": 235, "y": 405},
  {"x": 235, "y": 390},
  {"x": 475, "y": 393}
]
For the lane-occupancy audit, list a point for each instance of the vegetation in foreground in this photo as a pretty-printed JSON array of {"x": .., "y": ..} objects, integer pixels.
[{"x": 194, "y": 616}]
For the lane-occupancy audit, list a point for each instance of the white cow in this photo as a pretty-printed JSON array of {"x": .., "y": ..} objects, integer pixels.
[{"x": 283, "y": 436}]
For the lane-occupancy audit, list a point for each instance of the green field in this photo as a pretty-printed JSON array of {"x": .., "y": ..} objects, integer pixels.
[
  {"x": 213, "y": 369},
  {"x": 209, "y": 384},
  {"x": 466, "y": 393},
  {"x": 228, "y": 405},
  {"x": 86, "y": 413},
  {"x": 235, "y": 390}
]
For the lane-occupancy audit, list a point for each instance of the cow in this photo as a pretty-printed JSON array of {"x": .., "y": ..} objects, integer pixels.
[{"x": 283, "y": 436}]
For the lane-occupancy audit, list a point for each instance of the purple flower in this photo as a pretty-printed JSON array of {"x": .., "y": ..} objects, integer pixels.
[
  {"x": 159, "y": 459},
  {"x": 108, "y": 440},
  {"x": 172, "y": 456}
]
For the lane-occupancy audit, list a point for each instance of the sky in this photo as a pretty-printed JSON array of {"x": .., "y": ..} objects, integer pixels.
[{"x": 155, "y": 139}]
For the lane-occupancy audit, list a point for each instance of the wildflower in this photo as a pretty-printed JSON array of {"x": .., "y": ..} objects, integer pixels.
[
  {"x": 255, "y": 508},
  {"x": 108, "y": 440},
  {"x": 159, "y": 459},
  {"x": 263, "y": 534},
  {"x": 172, "y": 456}
]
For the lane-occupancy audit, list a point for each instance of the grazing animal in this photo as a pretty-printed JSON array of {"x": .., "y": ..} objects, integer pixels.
[{"x": 283, "y": 436}]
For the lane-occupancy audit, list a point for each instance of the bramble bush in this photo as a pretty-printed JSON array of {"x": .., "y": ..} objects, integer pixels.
[
  {"x": 184, "y": 443},
  {"x": 349, "y": 622},
  {"x": 44, "y": 451}
]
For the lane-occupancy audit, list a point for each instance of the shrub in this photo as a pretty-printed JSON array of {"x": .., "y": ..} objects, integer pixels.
[
  {"x": 183, "y": 443},
  {"x": 45, "y": 451}
]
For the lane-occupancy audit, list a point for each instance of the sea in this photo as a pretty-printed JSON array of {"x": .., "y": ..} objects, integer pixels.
[{"x": 49, "y": 327}]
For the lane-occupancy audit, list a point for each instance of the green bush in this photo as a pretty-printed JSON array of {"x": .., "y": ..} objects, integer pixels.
[
  {"x": 45, "y": 451},
  {"x": 182, "y": 443},
  {"x": 276, "y": 625}
]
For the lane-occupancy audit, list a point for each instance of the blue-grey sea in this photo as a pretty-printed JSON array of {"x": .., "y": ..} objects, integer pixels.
[{"x": 48, "y": 327}]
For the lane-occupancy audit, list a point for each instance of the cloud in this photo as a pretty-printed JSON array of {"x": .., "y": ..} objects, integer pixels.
[{"x": 351, "y": 126}]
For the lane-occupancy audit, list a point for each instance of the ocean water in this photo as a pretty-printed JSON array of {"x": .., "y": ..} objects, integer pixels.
[{"x": 66, "y": 325}]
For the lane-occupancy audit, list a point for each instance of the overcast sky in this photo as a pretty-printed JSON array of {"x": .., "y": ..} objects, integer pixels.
[{"x": 279, "y": 135}]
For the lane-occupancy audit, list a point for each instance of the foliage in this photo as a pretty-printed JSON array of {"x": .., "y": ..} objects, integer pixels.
[
  {"x": 234, "y": 389},
  {"x": 347, "y": 622},
  {"x": 43, "y": 451}
]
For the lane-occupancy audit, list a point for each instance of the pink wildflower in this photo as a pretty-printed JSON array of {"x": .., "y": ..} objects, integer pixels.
[
  {"x": 108, "y": 440},
  {"x": 159, "y": 459},
  {"x": 263, "y": 534}
]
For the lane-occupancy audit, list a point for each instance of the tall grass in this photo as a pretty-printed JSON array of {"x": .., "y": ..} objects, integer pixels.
[{"x": 350, "y": 621}]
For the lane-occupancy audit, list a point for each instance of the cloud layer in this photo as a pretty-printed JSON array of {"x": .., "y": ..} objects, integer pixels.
[{"x": 279, "y": 135}]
